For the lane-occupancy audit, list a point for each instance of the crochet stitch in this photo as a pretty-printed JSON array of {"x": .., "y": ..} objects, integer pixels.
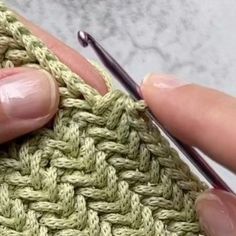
[{"x": 101, "y": 170}]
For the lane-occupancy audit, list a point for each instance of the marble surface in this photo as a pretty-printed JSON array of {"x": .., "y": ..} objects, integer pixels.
[{"x": 196, "y": 40}]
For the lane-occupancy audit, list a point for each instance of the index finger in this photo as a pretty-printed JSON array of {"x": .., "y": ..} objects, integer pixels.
[
  {"x": 201, "y": 117},
  {"x": 68, "y": 56}
]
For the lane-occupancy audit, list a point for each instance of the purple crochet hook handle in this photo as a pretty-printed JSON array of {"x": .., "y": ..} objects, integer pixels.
[{"x": 132, "y": 87}]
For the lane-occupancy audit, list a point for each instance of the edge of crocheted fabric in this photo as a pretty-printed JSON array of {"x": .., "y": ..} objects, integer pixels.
[{"x": 145, "y": 208}]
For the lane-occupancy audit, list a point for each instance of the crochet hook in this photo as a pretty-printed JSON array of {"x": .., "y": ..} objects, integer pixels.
[{"x": 133, "y": 88}]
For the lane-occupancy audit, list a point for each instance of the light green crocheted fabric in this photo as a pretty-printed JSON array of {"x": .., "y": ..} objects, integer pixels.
[{"x": 100, "y": 171}]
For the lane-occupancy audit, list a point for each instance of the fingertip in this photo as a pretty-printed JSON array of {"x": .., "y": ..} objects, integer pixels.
[
  {"x": 161, "y": 81},
  {"x": 54, "y": 92},
  {"x": 155, "y": 88},
  {"x": 198, "y": 116},
  {"x": 159, "y": 93},
  {"x": 217, "y": 212},
  {"x": 29, "y": 98}
]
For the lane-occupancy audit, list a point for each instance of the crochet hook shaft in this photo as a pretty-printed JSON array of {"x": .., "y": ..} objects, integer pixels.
[{"x": 132, "y": 87}]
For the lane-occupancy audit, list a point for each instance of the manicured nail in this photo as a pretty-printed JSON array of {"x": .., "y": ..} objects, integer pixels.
[
  {"x": 215, "y": 216},
  {"x": 29, "y": 94},
  {"x": 162, "y": 81}
]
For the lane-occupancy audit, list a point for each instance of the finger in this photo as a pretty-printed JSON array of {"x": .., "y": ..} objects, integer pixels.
[
  {"x": 68, "y": 56},
  {"x": 201, "y": 117},
  {"x": 217, "y": 213},
  {"x": 28, "y": 100}
]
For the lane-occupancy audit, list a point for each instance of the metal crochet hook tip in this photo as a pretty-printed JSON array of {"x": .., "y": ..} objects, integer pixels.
[
  {"x": 86, "y": 39},
  {"x": 83, "y": 38},
  {"x": 212, "y": 178}
]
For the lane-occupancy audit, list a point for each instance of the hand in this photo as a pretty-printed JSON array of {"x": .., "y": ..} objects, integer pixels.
[
  {"x": 29, "y": 97},
  {"x": 203, "y": 118}
]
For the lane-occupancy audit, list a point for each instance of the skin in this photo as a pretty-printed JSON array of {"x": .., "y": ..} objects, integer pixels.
[
  {"x": 203, "y": 118},
  {"x": 181, "y": 108},
  {"x": 68, "y": 56},
  {"x": 12, "y": 128}
]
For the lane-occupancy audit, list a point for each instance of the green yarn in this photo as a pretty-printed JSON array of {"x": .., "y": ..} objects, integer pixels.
[{"x": 101, "y": 170}]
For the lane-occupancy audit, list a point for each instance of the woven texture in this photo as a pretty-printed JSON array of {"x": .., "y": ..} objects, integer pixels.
[{"x": 101, "y": 170}]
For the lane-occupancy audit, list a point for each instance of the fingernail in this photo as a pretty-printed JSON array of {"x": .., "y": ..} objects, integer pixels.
[
  {"x": 28, "y": 94},
  {"x": 215, "y": 216},
  {"x": 162, "y": 81}
]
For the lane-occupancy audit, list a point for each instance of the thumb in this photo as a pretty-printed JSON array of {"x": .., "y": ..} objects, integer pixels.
[
  {"x": 28, "y": 100},
  {"x": 217, "y": 213}
]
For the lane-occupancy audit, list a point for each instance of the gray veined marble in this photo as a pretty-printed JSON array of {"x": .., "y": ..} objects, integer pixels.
[{"x": 196, "y": 40}]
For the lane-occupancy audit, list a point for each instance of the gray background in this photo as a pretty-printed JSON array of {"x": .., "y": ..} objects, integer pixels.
[{"x": 196, "y": 40}]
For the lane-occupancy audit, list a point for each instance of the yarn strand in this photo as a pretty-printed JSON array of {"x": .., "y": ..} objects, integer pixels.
[{"x": 101, "y": 170}]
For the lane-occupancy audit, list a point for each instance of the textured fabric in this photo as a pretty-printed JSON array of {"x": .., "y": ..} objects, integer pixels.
[{"x": 101, "y": 170}]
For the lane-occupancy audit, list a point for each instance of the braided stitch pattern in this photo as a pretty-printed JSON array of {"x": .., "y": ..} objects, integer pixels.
[{"x": 101, "y": 170}]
